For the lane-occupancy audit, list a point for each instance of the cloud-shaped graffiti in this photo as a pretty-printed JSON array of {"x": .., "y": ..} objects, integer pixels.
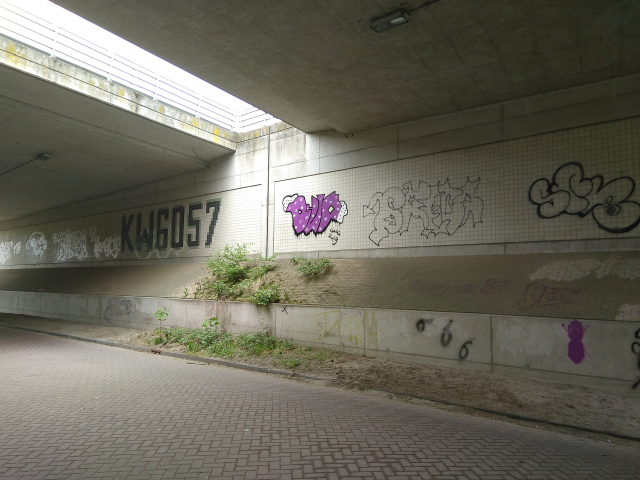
[
  {"x": 317, "y": 216},
  {"x": 38, "y": 243},
  {"x": 570, "y": 192},
  {"x": 439, "y": 208}
]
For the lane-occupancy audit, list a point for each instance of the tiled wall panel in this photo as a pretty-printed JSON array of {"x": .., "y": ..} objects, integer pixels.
[
  {"x": 190, "y": 227},
  {"x": 568, "y": 185}
]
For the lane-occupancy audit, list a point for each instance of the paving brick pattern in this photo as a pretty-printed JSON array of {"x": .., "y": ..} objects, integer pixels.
[{"x": 71, "y": 410}]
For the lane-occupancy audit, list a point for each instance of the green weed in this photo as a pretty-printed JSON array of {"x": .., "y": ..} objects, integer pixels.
[
  {"x": 289, "y": 362},
  {"x": 266, "y": 294},
  {"x": 308, "y": 266},
  {"x": 234, "y": 276}
]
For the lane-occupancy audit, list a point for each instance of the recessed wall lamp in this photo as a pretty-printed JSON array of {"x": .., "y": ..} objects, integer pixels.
[
  {"x": 394, "y": 19},
  {"x": 41, "y": 156}
]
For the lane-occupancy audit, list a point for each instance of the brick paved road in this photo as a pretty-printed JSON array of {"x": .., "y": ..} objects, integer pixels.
[{"x": 71, "y": 409}]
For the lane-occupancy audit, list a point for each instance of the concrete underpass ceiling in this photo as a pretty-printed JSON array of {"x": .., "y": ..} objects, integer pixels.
[
  {"x": 317, "y": 65},
  {"x": 97, "y": 148}
]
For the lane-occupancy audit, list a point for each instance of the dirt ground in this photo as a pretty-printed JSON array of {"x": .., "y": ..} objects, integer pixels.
[{"x": 585, "y": 407}]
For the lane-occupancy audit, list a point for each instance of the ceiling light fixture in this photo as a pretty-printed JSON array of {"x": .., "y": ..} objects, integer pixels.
[
  {"x": 394, "y": 19},
  {"x": 41, "y": 156}
]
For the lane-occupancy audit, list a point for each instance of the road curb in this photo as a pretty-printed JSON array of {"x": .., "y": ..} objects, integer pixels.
[{"x": 159, "y": 351}]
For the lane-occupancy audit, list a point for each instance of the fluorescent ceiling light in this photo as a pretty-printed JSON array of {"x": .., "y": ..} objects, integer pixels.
[{"x": 394, "y": 19}]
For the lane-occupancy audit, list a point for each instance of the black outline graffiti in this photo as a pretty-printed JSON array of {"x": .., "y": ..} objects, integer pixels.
[
  {"x": 465, "y": 348},
  {"x": 119, "y": 307},
  {"x": 334, "y": 235},
  {"x": 583, "y": 196},
  {"x": 440, "y": 208},
  {"x": 446, "y": 332},
  {"x": 638, "y": 354},
  {"x": 342, "y": 212}
]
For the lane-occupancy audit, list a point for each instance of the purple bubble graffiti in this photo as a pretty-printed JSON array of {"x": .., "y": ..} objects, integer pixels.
[
  {"x": 576, "y": 349},
  {"x": 317, "y": 216}
]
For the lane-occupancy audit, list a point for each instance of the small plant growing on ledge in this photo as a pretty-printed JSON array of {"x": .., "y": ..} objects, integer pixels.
[
  {"x": 266, "y": 294},
  {"x": 312, "y": 267},
  {"x": 161, "y": 314},
  {"x": 235, "y": 275},
  {"x": 210, "y": 323}
]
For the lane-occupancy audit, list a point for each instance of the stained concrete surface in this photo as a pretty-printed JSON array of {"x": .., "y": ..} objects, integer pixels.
[{"x": 589, "y": 285}]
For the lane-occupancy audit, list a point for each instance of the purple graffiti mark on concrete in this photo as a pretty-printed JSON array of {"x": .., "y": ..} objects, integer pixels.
[
  {"x": 422, "y": 286},
  {"x": 492, "y": 286},
  {"x": 576, "y": 349},
  {"x": 317, "y": 216},
  {"x": 539, "y": 295}
]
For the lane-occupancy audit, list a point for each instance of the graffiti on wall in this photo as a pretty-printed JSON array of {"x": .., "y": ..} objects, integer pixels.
[
  {"x": 317, "y": 216},
  {"x": 569, "y": 270},
  {"x": 71, "y": 245},
  {"x": 167, "y": 228},
  {"x": 635, "y": 348},
  {"x": 119, "y": 307},
  {"x": 109, "y": 247},
  {"x": 6, "y": 249},
  {"x": 435, "y": 209},
  {"x": 538, "y": 294},
  {"x": 37, "y": 243},
  {"x": 569, "y": 192},
  {"x": 575, "y": 330}
]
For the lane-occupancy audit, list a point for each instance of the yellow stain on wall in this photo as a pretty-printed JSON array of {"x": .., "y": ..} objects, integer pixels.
[
  {"x": 371, "y": 330},
  {"x": 333, "y": 324}
]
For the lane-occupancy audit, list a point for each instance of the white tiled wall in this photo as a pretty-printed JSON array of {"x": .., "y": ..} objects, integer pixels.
[
  {"x": 99, "y": 238},
  {"x": 497, "y": 211}
]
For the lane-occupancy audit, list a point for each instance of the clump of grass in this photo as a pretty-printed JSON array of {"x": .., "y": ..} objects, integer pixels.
[
  {"x": 210, "y": 341},
  {"x": 266, "y": 294},
  {"x": 308, "y": 266},
  {"x": 235, "y": 276}
]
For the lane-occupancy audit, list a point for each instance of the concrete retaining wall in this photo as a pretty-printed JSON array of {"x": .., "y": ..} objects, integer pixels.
[{"x": 587, "y": 352}]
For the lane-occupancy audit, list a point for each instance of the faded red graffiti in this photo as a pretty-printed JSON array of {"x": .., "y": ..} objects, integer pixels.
[
  {"x": 492, "y": 286},
  {"x": 540, "y": 295},
  {"x": 426, "y": 287}
]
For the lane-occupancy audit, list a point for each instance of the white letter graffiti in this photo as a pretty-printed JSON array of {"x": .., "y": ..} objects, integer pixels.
[
  {"x": 71, "y": 245},
  {"x": 440, "y": 208},
  {"x": 110, "y": 246},
  {"x": 5, "y": 251}
]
